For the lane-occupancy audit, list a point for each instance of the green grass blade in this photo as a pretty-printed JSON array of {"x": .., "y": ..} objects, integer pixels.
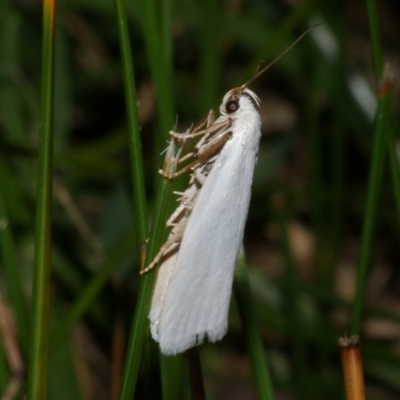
[
  {"x": 198, "y": 391},
  {"x": 159, "y": 54},
  {"x": 171, "y": 367},
  {"x": 374, "y": 186},
  {"x": 375, "y": 36},
  {"x": 140, "y": 322},
  {"x": 38, "y": 362},
  {"x": 158, "y": 66},
  {"x": 374, "y": 190},
  {"x": 134, "y": 353},
  {"x": 251, "y": 332},
  {"x": 378, "y": 64},
  {"x": 139, "y": 196}
]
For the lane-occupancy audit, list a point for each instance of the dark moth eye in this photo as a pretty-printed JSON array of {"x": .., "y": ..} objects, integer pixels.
[{"x": 232, "y": 106}]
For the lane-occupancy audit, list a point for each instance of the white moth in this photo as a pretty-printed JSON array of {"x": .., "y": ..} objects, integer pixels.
[{"x": 193, "y": 289}]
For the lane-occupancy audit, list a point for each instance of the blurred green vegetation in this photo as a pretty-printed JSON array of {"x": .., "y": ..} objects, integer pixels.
[{"x": 315, "y": 205}]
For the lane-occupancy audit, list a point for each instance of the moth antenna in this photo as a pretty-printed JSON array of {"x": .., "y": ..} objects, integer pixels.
[
  {"x": 176, "y": 123},
  {"x": 260, "y": 69}
]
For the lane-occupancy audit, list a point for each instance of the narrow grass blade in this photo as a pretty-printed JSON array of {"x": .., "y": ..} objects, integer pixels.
[
  {"x": 172, "y": 372},
  {"x": 135, "y": 345},
  {"x": 195, "y": 374},
  {"x": 159, "y": 54},
  {"x": 140, "y": 323},
  {"x": 373, "y": 23},
  {"x": 379, "y": 66},
  {"x": 38, "y": 367},
  {"x": 374, "y": 189},
  {"x": 133, "y": 124},
  {"x": 252, "y": 333},
  {"x": 158, "y": 66},
  {"x": 171, "y": 367},
  {"x": 382, "y": 127}
]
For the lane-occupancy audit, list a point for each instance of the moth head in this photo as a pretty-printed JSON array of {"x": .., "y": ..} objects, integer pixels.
[
  {"x": 238, "y": 100},
  {"x": 241, "y": 98}
]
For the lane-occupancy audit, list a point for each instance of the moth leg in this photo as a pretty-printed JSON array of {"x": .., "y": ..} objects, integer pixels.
[
  {"x": 208, "y": 132},
  {"x": 175, "y": 215},
  {"x": 206, "y": 120},
  {"x": 200, "y": 144},
  {"x": 193, "y": 134},
  {"x": 173, "y": 241},
  {"x": 185, "y": 157},
  {"x": 214, "y": 146},
  {"x": 223, "y": 126},
  {"x": 180, "y": 172},
  {"x": 200, "y": 176},
  {"x": 210, "y": 118},
  {"x": 164, "y": 249},
  {"x": 204, "y": 153},
  {"x": 185, "y": 205},
  {"x": 203, "y": 121},
  {"x": 183, "y": 197}
]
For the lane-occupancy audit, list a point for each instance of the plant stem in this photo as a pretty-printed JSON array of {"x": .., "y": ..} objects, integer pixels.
[
  {"x": 139, "y": 196},
  {"x": 251, "y": 332},
  {"x": 374, "y": 189},
  {"x": 38, "y": 367}
]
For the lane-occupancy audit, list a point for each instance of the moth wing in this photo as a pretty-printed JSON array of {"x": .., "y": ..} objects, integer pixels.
[
  {"x": 162, "y": 282},
  {"x": 196, "y": 301}
]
